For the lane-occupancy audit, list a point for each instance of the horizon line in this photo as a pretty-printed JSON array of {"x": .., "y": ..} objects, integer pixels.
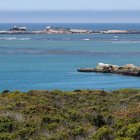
[
  {"x": 123, "y": 10},
  {"x": 70, "y": 23}
]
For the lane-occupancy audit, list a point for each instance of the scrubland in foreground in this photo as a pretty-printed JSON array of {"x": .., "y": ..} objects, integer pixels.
[{"x": 75, "y": 115}]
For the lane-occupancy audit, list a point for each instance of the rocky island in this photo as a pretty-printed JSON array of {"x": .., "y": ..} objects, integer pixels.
[
  {"x": 61, "y": 30},
  {"x": 128, "y": 69}
]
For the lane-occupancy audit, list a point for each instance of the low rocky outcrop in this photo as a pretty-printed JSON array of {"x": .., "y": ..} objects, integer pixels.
[
  {"x": 128, "y": 69},
  {"x": 61, "y": 30}
]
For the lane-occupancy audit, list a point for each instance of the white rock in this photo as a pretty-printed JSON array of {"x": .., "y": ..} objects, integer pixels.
[{"x": 130, "y": 66}]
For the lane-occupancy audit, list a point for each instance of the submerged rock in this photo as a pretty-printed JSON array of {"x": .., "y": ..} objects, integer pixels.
[{"x": 128, "y": 69}]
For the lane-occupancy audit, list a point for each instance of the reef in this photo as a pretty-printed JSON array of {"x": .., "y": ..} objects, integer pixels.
[
  {"x": 61, "y": 30},
  {"x": 128, "y": 69}
]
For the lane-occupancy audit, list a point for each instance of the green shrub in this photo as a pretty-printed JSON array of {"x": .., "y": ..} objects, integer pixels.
[
  {"x": 128, "y": 91},
  {"x": 126, "y": 138},
  {"x": 98, "y": 121},
  {"x": 17, "y": 92},
  {"x": 52, "y": 126},
  {"x": 118, "y": 124},
  {"x": 122, "y": 132},
  {"x": 78, "y": 130},
  {"x": 74, "y": 115},
  {"x": 57, "y": 92},
  {"x": 52, "y": 119},
  {"x": 26, "y": 132},
  {"x": 5, "y": 91},
  {"x": 7, "y": 124},
  {"x": 133, "y": 131},
  {"x": 7, "y": 136},
  {"x": 59, "y": 136},
  {"x": 104, "y": 133}
]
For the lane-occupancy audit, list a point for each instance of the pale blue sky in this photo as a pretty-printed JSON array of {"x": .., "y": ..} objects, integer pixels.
[
  {"x": 70, "y": 17},
  {"x": 56, "y": 11},
  {"x": 69, "y": 5}
]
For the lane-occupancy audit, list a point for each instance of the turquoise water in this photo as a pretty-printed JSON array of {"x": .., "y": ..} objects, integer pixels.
[{"x": 51, "y": 61}]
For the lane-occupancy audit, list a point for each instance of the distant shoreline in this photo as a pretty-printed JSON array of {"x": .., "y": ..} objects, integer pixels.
[{"x": 52, "y": 30}]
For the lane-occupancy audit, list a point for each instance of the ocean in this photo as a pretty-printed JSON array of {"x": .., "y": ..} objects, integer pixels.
[{"x": 47, "y": 62}]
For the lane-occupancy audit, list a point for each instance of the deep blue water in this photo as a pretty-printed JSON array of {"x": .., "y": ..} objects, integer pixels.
[{"x": 51, "y": 61}]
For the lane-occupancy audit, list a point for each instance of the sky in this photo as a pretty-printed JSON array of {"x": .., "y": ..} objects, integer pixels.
[
  {"x": 70, "y": 17},
  {"x": 69, "y": 5},
  {"x": 73, "y": 11}
]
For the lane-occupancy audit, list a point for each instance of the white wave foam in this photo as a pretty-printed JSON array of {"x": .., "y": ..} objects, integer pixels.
[
  {"x": 86, "y": 39},
  {"x": 10, "y": 38},
  {"x": 125, "y": 42},
  {"x": 23, "y": 38},
  {"x": 14, "y": 38}
]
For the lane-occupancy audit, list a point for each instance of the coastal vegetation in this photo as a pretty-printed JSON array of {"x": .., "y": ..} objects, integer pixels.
[{"x": 73, "y": 115}]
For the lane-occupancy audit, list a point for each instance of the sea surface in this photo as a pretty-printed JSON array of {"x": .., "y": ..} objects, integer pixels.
[{"x": 47, "y": 62}]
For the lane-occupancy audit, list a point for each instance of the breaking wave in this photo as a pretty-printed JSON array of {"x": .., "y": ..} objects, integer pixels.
[
  {"x": 13, "y": 38},
  {"x": 23, "y": 38},
  {"x": 86, "y": 39},
  {"x": 125, "y": 42}
]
